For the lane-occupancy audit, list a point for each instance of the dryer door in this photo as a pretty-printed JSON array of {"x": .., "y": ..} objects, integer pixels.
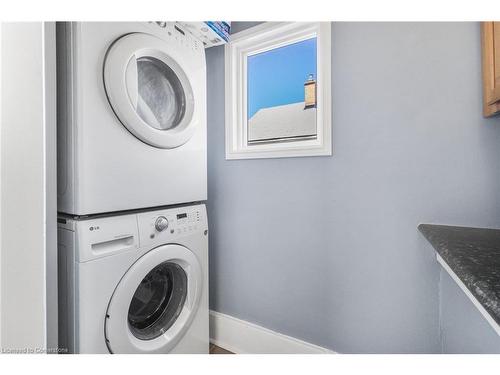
[
  {"x": 155, "y": 302},
  {"x": 149, "y": 91}
]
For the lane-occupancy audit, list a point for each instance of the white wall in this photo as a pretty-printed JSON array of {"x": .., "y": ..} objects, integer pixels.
[{"x": 28, "y": 187}]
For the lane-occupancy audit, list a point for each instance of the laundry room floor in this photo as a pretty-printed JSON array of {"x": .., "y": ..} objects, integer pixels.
[{"x": 214, "y": 349}]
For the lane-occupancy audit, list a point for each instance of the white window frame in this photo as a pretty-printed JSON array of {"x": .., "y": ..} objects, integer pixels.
[{"x": 258, "y": 39}]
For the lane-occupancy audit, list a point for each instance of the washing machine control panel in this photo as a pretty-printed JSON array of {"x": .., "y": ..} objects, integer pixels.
[
  {"x": 161, "y": 223},
  {"x": 167, "y": 225}
]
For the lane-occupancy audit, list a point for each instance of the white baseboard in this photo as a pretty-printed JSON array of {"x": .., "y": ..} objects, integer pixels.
[{"x": 242, "y": 337}]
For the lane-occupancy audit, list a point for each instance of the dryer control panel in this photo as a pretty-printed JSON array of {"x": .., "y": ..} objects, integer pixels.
[
  {"x": 176, "y": 32},
  {"x": 166, "y": 225}
]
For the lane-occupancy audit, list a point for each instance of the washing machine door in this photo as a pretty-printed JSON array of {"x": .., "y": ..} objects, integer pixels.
[
  {"x": 149, "y": 90},
  {"x": 155, "y": 302}
]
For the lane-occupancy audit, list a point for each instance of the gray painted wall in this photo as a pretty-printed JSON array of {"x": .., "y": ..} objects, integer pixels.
[{"x": 326, "y": 249}]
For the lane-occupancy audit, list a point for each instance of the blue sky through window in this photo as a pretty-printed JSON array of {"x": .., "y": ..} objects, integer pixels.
[{"x": 277, "y": 77}]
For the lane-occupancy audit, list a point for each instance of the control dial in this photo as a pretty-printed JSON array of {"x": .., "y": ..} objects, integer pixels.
[{"x": 161, "y": 223}]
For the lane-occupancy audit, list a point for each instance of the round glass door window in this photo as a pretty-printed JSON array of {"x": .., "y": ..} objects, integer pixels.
[
  {"x": 149, "y": 90},
  {"x": 160, "y": 99},
  {"x": 157, "y": 301}
]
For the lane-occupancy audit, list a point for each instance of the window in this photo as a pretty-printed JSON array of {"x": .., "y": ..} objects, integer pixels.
[{"x": 278, "y": 91}]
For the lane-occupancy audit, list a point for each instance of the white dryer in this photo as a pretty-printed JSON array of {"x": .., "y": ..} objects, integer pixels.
[
  {"x": 131, "y": 116},
  {"x": 134, "y": 283}
]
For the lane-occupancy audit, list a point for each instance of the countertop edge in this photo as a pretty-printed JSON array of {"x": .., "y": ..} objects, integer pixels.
[
  {"x": 443, "y": 258},
  {"x": 469, "y": 294}
]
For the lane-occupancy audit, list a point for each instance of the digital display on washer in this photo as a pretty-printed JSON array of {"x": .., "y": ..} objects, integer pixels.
[{"x": 181, "y": 216}]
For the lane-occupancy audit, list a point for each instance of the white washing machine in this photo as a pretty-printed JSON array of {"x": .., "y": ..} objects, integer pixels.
[
  {"x": 135, "y": 283},
  {"x": 131, "y": 116}
]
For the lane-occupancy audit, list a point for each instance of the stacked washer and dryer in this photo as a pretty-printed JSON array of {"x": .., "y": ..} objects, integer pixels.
[{"x": 133, "y": 242}]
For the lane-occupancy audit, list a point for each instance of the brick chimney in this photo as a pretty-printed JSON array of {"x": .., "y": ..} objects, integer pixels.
[{"x": 310, "y": 92}]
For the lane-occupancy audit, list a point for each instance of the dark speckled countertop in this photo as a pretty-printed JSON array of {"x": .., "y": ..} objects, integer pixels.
[{"x": 474, "y": 255}]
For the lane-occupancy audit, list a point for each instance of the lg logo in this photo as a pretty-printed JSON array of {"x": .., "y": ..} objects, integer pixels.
[{"x": 94, "y": 228}]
